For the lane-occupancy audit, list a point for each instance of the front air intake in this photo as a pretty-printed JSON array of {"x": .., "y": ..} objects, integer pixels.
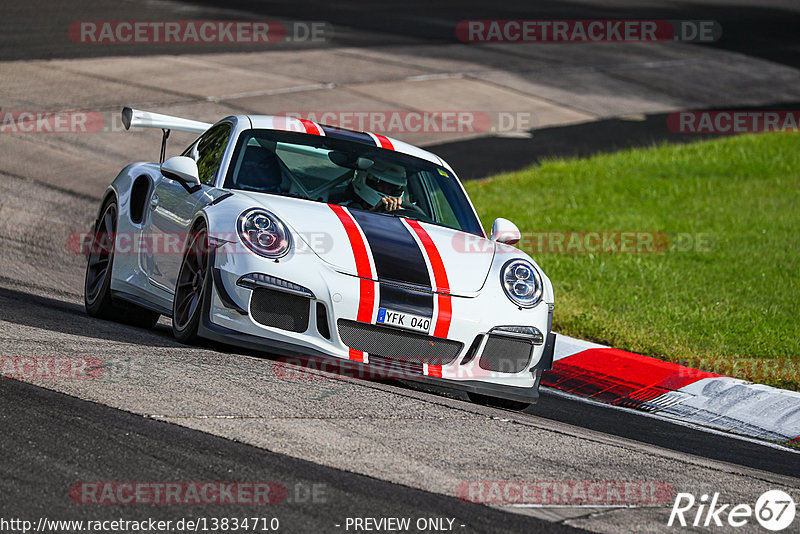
[
  {"x": 505, "y": 354},
  {"x": 280, "y": 310}
]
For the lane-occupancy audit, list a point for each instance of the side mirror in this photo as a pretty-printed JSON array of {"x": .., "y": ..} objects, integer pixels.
[
  {"x": 182, "y": 169},
  {"x": 505, "y": 231}
]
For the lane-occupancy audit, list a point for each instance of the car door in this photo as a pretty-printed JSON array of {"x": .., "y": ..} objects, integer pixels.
[{"x": 173, "y": 207}]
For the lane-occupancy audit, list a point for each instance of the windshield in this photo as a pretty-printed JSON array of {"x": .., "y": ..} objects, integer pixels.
[{"x": 351, "y": 174}]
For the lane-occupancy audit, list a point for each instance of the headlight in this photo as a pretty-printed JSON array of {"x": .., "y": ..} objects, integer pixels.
[
  {"x": 522, "y": 283},
  {"x": 263, "y": 233}
]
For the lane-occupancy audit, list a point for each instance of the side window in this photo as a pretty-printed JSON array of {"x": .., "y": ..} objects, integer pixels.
[{"x": 208, "y": 151}]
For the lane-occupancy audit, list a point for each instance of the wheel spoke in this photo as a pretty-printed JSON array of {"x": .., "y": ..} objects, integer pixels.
[
  {"x": 184, "y": 284},
  {"x": 198, "y": 251},
  {"x": 108, "y": 223},
  {"x": 192, "y": 306},
  {"x": 191, "y": 267},
  {"x": 183, "y": 303},
  {"x": 95, "y": 260},
  {"x": 99, "y": 270},
  {"x": 96, "y": 281}
]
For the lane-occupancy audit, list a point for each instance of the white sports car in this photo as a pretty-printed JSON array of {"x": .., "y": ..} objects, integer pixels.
[{"x": 284, "y": 235}]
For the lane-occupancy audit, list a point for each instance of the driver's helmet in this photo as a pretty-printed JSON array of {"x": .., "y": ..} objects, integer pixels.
[{"x": 380, "y": 180}]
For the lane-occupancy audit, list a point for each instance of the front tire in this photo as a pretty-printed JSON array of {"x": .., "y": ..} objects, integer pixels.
[
  {"x": 187, "y": 304},
  {"x": 97, "y": 282}
]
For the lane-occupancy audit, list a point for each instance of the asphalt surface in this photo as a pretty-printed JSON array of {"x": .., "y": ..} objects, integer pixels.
[
  {"x": 407, "y": 438},
  {"x": 580, "y": 108},
  {"x": 397, "y": 57},
  {"x": 161, "y": 411},
  {"x": 68, "y": 318},
  {"x": 765, "y": 29},
  {"x": 68, "y": 441}
]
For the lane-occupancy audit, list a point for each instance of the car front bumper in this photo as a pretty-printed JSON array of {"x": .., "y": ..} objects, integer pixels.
[{"x": 228, "y": 318}]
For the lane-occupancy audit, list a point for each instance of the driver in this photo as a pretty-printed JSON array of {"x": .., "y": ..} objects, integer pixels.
[{"x": 381, "y": 187}]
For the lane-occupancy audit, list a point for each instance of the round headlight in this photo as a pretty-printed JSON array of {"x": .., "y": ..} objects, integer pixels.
[
  {"x": 522, "y": 283},
  {"x": 263, "y": 233}
]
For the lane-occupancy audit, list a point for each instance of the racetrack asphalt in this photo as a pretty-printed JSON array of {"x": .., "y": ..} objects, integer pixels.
[
  {"x": 162, "y": 411},
  {"x": 408, "y": 438},
  {"x": 66, "y": 440},
  {"x": 565, "y": 99}
]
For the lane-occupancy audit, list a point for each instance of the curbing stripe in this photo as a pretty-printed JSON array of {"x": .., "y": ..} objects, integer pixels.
[{"x": 621, "y": 378}]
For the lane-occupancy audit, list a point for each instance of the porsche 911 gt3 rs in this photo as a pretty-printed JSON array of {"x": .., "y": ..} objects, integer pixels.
[{"x": 296, "y": 238}]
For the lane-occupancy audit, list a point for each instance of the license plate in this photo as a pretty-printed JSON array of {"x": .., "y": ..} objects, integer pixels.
[{"x": 404, "y": 320}]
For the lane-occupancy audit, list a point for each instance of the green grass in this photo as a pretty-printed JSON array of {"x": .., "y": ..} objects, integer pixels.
[{"x": 731, "y": 305}]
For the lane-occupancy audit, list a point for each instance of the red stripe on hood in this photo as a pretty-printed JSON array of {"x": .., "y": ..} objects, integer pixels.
[
  {"x": 366, "y": 300},
  {"x": 440, "y": 281}
]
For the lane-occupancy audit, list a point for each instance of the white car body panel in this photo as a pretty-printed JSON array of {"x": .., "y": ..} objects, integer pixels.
[{"x": 322, "y": 261}]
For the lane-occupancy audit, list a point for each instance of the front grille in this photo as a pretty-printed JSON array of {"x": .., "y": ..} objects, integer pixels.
[
  {"x": 505, "y": 355},
  {"x": 278, "y": 309},
  {"x": 397, "y": 344}
]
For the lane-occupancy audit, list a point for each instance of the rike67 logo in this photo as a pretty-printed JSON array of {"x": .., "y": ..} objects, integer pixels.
[{"x": 774, "y": 510}]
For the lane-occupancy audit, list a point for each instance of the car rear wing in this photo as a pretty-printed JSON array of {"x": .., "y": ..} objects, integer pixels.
[{"x": 145, "y": 119}]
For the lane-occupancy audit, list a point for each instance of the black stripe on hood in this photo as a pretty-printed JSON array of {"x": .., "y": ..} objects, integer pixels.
[{"x": 397, "y": 258}]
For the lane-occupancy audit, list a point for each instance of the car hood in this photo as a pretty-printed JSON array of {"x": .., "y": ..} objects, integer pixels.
[{"x": 399, "y": 250}]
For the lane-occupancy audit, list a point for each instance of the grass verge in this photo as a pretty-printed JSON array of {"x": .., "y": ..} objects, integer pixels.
[{"x": 717, "y": 287}]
